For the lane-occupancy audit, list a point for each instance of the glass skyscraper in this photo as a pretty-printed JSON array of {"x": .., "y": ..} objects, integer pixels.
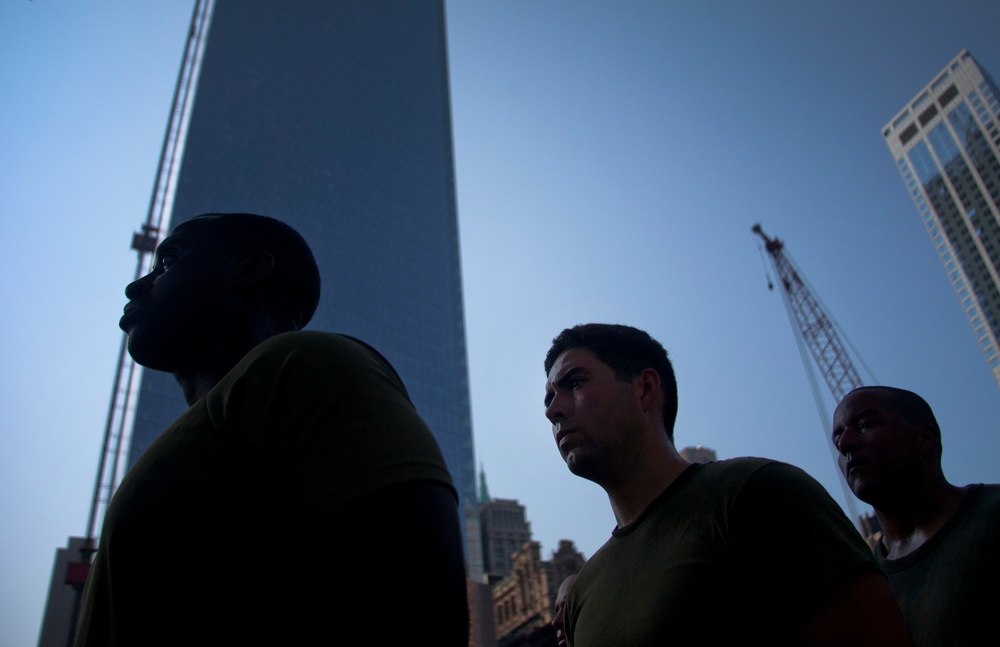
[
  {"x": 946, "y": 144},
  {"x": 335, "y": 117}
]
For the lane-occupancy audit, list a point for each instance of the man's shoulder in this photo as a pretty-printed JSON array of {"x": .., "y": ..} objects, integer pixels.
[
  {"x": 755, "y": 466},
  {"x": 989, "y": 492},
  {"x": 984, "y": 503},
  {"x": 307, "y": 339},
  {"x": 754, "y": 489},
  {"x": 314, "y": 346},
  {"x": 716, "y": 488},
  {"x": 740, "y": 464},
  {"x": 304, "y": 362},
  {"x": 746, "y": 467},
  {"x": 981, "y": 504}
]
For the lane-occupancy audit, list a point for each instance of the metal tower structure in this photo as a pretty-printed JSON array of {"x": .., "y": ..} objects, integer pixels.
[
  {"x": 112, "y": 466},
  {"x": 121, "y": 409},
  {"x": 810, "y": 320},
  {"x": 817, "y": 334}
]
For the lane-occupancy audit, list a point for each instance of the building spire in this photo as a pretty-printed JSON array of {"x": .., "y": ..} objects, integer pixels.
[{"x": 484, "y": 492}]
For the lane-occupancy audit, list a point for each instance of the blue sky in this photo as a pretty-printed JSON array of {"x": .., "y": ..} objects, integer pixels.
[{"x": 610, "y": 161}]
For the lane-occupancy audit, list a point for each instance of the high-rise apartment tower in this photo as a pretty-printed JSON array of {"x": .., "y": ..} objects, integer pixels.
[
  {"x": 335, "y": 117},
  {"x": 946, "y": 144}
]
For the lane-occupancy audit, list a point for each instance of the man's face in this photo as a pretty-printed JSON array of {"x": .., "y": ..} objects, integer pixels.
[
  {"x": 559, "y": 619},
  {"x": 174, "y": 311},
  {"x": 876, "y": 441},
  {"x": 594, "y": 415}
]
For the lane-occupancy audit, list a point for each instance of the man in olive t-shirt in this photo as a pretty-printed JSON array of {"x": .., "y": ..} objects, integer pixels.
[
  {"x": 300, "y": 483},
  {"x": 746, "y": 551}
]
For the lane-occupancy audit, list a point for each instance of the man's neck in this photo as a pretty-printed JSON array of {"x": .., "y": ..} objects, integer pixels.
[
  {"x": 196, "y": 385},
  {"x": 213, "y": 365},
  {"x": 651, "y": 478},
  {"x": 909, "y": 525}
]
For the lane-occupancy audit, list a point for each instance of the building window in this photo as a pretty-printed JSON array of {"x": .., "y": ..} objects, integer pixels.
[
  {"x": 947, "y": 96},
  {"x": 928, "y": 114}
]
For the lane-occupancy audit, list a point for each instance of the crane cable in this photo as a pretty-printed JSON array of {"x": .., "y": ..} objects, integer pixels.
[
  {"x": 763, "y": 261},
  {"x": 822, "y": 412}
]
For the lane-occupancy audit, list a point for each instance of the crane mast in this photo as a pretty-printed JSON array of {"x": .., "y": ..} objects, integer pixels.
[
  {"x": 114, "y": 449},
  {"x": 111, "y": 466},
  {"x": 818, "y": 332}
]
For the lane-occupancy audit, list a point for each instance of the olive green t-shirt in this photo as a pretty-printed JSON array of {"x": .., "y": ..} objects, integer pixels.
[
  {"x": 732, "y": 552},
  {"x": 198, "y": 538}
]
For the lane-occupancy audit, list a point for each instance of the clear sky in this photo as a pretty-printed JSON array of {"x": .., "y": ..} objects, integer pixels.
[{"x": 611, "y": 158}]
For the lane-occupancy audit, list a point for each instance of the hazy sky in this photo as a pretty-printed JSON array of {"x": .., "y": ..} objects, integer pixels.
[{"x": 611, "y": 158}]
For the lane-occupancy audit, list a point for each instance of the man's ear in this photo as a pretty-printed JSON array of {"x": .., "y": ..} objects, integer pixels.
[
  {"x": 927, "y": 439},
  {"x": 254, "y": 269},
  {"x": 651, "y": 393}
]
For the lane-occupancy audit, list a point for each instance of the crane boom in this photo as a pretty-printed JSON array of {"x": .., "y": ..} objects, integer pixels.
[
  {"x": 117, "y": 429},
  {"x": 114, "y": 447},
  {"x": 818, "y": 332}
]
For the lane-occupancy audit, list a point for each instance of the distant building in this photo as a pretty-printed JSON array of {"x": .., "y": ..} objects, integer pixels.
[
  {"x": 698, "y": 454},
  {"x": 871, "y": 529},
  {"x": 482, "y": 626},
  {"x": 524, "y": 600},
  {"x": 946, "y": 145},
  {"x": 504, "y": 531},
  {"x": 69, "y": 574},
  {"x": 566, "y": 560},
  {"x": 523, "y": 586}
]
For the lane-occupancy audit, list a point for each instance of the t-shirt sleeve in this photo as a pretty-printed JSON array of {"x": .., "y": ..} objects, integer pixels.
[
  {"x": 324, "y": 419},
  {"x": 792, "y": 528}
]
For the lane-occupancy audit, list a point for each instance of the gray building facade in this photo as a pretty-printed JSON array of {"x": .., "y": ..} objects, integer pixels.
[
  {"x": 335, "y": 117},
  {"x": 946, "y": 145},
  {"x": 505, "y": 530}
]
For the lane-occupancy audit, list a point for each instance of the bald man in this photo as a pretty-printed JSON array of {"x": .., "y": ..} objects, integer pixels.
[{"x": 940, "y": 543}]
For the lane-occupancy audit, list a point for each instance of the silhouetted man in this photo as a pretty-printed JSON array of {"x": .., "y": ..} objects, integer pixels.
[
  {"x": 743, "y": 551},
  {"x": 940, "y": 543},
  {"x": 298, "y": 486}
]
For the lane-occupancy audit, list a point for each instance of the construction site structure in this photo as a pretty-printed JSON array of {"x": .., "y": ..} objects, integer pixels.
[
  {"x": 809, "y": 319},
  {"x": 115, "y": 446},
  {"x": 817, "y": 334},
  {"x": 66, "y": 590}
]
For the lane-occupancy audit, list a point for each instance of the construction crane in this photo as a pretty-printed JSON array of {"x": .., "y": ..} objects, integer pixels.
[
  {"x": 818, "y": 335},
  {"x": 112, "y": 466},
  {"x": 121, "y": 410}
]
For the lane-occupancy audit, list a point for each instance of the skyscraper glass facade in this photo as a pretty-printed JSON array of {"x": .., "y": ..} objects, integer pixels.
[
  {"x": 335, "y": 117},
  {"x": 946, "y": 144}
]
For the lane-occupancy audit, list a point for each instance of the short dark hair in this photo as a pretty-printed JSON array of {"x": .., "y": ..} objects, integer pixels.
[
  {"x": 912, "y": 406},
  {"x": 628, "y": 351},
  {"x": 295, "y": 272}
]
